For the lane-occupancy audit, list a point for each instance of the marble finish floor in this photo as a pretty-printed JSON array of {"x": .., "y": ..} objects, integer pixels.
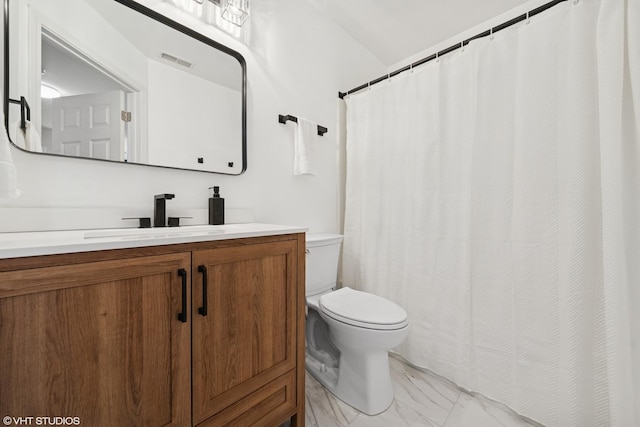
[{"x": 421, "y": 399}]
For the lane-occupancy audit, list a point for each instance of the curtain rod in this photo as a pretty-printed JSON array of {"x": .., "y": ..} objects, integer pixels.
[{"x": 450, "y": 49}]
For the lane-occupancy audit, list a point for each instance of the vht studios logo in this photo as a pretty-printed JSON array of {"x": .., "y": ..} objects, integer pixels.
[{"x": 41, "y": 421}]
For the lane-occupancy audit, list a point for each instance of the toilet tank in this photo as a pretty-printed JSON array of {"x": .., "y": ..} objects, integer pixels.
[{"x": 321, "y": 268}]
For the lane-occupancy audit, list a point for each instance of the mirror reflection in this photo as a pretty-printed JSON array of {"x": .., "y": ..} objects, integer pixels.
[{"x": 104, "y": 81}]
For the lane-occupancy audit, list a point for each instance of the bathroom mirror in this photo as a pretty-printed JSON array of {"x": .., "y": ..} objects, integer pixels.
[{"x": 115, "y": 81}]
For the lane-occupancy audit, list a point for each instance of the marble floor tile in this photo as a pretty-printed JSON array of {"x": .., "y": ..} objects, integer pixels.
[
  {"x": 424, "y": 393},
  {"x": 399, "y": 414},
  {"x": 472, "y": 411},
  {"x": 323, "y": 409},
  {"x": 421, "y": 399}
]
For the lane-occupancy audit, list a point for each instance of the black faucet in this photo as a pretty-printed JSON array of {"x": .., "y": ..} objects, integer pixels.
[{"x": 160, "y": 209}]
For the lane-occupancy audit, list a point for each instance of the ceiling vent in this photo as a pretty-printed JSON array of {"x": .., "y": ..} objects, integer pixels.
[{"x": 175, "y": 60}]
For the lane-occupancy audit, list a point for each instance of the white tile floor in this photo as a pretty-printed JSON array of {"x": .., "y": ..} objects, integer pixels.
[{"x": 421, "y": 399}]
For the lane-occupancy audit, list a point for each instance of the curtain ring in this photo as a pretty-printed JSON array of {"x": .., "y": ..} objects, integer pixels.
[
  {"x": 490, "y": 33},
  {"x": 437, "y": 57},
  {"x": 461, "y": 46},
  {"x": 528, "y": 19}
]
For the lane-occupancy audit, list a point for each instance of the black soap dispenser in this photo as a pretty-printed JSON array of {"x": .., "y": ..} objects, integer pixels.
[{"x": 216, "y": 207}]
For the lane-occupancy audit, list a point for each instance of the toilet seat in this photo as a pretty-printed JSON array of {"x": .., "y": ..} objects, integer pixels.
[{"x": 363, "y": 310}]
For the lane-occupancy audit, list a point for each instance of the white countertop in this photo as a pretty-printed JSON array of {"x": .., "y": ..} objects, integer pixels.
[{"x": 14, "y": 245}]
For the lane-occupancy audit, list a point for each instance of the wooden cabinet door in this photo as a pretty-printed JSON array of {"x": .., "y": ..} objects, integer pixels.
[
  {"x": 248, "y": 336},
  {"x": 100, "y": 341}
]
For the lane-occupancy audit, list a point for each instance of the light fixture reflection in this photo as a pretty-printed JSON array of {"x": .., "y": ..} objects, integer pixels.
[
  {"x": 47, "y": 92},
  {"x": 235, "y": 11}
]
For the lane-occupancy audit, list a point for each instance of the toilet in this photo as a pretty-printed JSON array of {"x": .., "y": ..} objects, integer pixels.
[{"x": 349, "y": 332}]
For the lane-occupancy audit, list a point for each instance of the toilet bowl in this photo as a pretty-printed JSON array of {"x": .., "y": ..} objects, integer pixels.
[{"x": 349, "y": 332}]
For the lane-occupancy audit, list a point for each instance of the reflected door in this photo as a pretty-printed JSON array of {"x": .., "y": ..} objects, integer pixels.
[{"x": 89, "y": 125}]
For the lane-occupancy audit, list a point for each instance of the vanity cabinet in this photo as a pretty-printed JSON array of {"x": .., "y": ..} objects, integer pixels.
[
  {"x": 244, "y": 323},
  {"x": 98, "y": 340},
  {"x": 207, "y": 333}
]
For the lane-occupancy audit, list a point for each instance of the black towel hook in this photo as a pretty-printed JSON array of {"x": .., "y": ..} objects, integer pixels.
[{"x": 25, "y": 111}]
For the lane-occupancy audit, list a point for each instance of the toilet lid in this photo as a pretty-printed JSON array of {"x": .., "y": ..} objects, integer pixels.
[{"x": 363, "y": 309}]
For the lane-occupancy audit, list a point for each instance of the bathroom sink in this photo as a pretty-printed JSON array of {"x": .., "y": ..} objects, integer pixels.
[
  {"x": 158, "y": 233},
  {"x": 36, "y": 243}
]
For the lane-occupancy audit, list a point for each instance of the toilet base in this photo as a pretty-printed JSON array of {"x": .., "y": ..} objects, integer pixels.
[
  {"x": 362, "y": 382},
  {"x": 326, "y": 376}
]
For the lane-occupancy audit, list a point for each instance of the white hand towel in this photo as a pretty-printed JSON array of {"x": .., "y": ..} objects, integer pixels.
[
  {"x": 17, "y": 135},
  {"x": 29, "y": 139},
  {"x": 8, "y": 175},
  {"x": 305, "y": 141},
  {"x": 34, "y": 142}
]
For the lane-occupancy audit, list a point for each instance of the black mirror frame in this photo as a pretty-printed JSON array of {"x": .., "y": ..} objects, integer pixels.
[{"x": 163, "y": 20}]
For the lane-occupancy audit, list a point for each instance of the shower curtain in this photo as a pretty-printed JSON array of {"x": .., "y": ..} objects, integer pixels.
[{"x": 495, "y": 195}]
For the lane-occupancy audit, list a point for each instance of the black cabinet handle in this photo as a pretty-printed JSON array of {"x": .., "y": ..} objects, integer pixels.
[
  {"x": 203, "y": 310},
  {"x": 183, "y": 316}
]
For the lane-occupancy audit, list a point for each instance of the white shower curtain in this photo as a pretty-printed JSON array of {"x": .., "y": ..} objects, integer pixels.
[{"x": 495, "y": 194}]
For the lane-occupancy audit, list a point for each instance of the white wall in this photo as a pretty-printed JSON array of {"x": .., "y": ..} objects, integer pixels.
[
  {"x": 480, "y": 28},
  {"x": 297, "y": 62},
  {"x": 182, "y": 108}
]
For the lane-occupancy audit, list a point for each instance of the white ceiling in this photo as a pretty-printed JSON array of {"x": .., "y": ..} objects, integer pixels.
[
  {"x": 394, "y": 30},
  {"x": 70, "y": 74}
]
